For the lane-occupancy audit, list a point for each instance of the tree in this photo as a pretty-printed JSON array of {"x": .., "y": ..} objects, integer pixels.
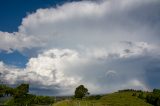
[
  {"x": 154, "y": 97},
  {"x": 21, "y": 90},
  {"x": 81, "y": 92}
]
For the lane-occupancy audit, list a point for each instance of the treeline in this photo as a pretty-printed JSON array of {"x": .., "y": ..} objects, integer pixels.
[
  {"x": 154, "y": 97},
  {"x": 150, "y": 97},
  {"x": 133, "y": 90},
  {"x": 21, "y": 97}
]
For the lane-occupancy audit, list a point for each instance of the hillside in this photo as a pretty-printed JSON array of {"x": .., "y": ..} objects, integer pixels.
[
  {"x": 127, "y": 97},
  {"x": 113, "y": 99}
]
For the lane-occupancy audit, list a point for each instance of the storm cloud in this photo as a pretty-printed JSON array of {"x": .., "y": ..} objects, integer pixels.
[{"x": 106, "y": 45}]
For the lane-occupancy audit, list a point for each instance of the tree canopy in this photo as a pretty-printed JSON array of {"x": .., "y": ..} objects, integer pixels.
[{"x": 81, "y": 92}]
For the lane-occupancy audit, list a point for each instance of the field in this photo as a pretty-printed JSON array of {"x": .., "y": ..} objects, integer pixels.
[{"x": 114, "y": 99}]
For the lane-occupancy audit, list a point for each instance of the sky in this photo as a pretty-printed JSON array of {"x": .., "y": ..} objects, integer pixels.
[{"x": 56, "y": 45}]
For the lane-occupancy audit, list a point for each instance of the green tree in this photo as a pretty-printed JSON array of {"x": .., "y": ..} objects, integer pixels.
[
  {"x": 81, "y": 92},
  {"x": 21, "y": 90},
  {"x": 154, "y": 97}
]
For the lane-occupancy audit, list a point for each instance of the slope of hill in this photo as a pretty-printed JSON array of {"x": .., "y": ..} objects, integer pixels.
[
  {"x": 4, "y": 99},
  {"x": 113, "y": 99}
]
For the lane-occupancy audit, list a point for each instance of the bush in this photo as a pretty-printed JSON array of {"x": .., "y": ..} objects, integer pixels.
[
  {"x": 95, "y": 97},
  {"x": 141, "y": 95},
  {"x": 134, "y": 94},
  {"x": 43, "y": 100},
  {"x": 154, "y": 97},
  {"x": 22, "y": 98},
  {"x": 21, "y": 101}
]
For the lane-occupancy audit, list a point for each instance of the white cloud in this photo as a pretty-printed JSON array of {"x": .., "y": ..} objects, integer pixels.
[
  {"x": 51, "y": 65},
  {"x": 89, "y": 24},
  {"x": 86, "y": 23},
  {"x": 16, "y": 41},
  {"x": 46, "y": 70},
  {"x": 64, "y": 69},
  {"x": 105, "y": 45}
]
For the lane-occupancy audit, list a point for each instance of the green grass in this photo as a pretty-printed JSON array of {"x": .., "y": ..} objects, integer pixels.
[
  {"x": 4, "y": 99},
  {"x": 114, "y": 99}
]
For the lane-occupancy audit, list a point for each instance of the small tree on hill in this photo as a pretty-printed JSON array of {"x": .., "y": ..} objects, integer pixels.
[{"x": 81, "y": 92}]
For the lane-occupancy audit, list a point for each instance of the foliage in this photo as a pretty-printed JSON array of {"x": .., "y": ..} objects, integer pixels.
[
  {"x": 21, "y": 90},
  {"x": 156, "y": 91},
  {"x": 130, "y": 90},
  {"x": 154, "y": 97},
  {"x": 113, "y": 99},
  {"x": 141, "y": 95},
  {"x": 20, "y": 96},
  {"x": 81, "y": 92},
  {"x": 5, "y": 90},
  {"x": 43, "y": 100},
  {"x": 21, "y": 101},
  {"x": 94, "y": 97},
  {"x": 29, "y": 100},
  {"x": 134, "y": 94}
]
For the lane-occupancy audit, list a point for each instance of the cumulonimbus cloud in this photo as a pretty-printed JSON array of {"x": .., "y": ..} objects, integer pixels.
[
  {"x": 88, "y": 42},
  {"x": 101, "y": 71},
  {"x": 87, "y": 23}
]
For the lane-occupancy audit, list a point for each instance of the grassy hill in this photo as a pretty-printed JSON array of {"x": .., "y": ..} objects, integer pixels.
[
  {"x": 128, "y": 97},
  {"x": 114, "y": 99},
  {"x": 4, "y": 99}
]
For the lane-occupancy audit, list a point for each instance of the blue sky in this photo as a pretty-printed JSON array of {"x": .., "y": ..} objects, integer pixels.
[
  {"x": 12, "y": 12},
  {"x": 56, "y": 45},
  {"x": 15, "y": 58}
]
